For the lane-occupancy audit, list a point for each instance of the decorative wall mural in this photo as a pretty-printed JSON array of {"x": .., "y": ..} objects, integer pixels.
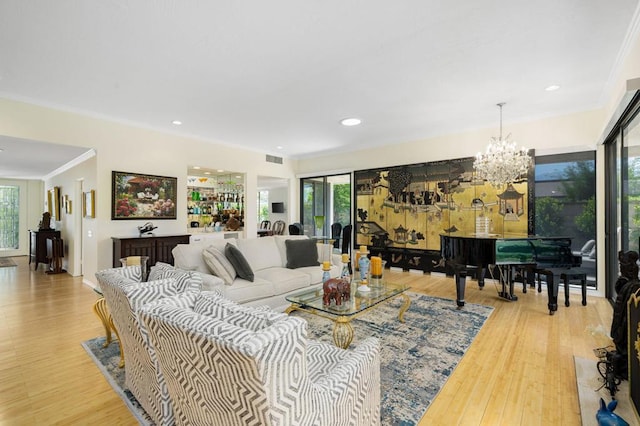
[{"x": 408, "y": 207}]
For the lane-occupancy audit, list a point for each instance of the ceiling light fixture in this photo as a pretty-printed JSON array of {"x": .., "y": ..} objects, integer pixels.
[
  {"x": 196, "y": 167},
  {"x": 176, "y": 122},
  {"x": 220, "y": 170},
  {"x": 501, "y": 163},
  {"x": 350, "y": 121},
  {"x": 552, "y": 88},
  {"x": 279, "y": 147}
]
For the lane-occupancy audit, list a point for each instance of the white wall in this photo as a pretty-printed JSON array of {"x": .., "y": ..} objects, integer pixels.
[
  {"x": 76, "y": 232},
  {"x": 572, "y": 132},
  {"x": 279, "y": 195},
  {"x": 125, "y": 148}
]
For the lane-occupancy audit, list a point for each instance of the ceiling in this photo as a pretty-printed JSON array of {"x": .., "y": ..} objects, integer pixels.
[{"x": 278, "y": 76}]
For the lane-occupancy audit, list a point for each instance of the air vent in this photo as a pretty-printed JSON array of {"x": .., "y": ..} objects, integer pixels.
[{"x": 274, "y": 159}]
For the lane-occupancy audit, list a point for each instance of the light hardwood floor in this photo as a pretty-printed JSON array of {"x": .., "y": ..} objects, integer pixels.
[{"x": 518, "y": 371}]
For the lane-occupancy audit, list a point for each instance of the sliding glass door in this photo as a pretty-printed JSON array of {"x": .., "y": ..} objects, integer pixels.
[
  {"x": 325, "y": 201},
  {"x": 622, "y": 182}
]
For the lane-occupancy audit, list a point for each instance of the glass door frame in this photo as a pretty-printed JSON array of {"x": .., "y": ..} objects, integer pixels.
[
  {"x": 616, "y": 177},
  {"x": 320, "y": 206}
]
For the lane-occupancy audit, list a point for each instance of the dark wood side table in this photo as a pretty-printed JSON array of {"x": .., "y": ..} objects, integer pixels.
[
  {"x": 38, "y": 245},
  {"x": 156, "y": 247}
]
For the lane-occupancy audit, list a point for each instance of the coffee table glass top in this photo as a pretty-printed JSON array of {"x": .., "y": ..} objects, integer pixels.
[{"x": 359, "y": 301}]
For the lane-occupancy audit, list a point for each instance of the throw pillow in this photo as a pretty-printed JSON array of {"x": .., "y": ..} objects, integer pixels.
[
  {"x": 185, "y": 280},
  {"x": 219, "y": 264},
  {"x": 237, "y": 259},
  {"x": 158, "y": 269},
  {"x": 301, "y": 253}
]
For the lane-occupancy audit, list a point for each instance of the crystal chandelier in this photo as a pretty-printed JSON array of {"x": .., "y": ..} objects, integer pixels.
[{"x": 502, "y": 163}]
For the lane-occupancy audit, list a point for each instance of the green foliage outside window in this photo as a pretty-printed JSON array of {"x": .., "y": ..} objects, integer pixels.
[
  {"x": 342, "y": 203},
  {"x": 580, "y": 178},
  {"x": 586, "y": 221},
  {"x": 548, "y": 216},
  {"x": 9, "y": 217}
]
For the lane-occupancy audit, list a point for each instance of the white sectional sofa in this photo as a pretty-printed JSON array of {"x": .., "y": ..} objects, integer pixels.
[{"x": 267, "y": 258}]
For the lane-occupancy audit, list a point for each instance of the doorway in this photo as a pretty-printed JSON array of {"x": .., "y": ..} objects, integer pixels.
[{"x": 325, "y": 201}]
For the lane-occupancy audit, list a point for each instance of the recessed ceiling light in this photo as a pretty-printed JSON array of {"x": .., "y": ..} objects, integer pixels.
[
  {"x": 279, "y": 147},
  {"x": 176, "y": 122},
  {"x": 552, "y": 88},
  {"x": 196, "y": 167},
  {"x": 350, "y": 121},
  {"x": 220, "y": 170},
  {"x": 207, "y": 173}
]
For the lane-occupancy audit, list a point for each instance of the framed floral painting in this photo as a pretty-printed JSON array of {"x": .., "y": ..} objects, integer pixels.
[{"x": 139, "y": 196}]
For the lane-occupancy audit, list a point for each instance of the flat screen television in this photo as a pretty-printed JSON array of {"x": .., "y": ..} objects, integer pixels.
[{"x": 277, "y": 207}]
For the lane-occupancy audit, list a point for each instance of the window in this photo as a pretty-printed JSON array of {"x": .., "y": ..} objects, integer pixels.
[
  {"x": 263, "y": 206},
  {"x": 9, "y": 217},
  {"x": 565, "y": 203}
]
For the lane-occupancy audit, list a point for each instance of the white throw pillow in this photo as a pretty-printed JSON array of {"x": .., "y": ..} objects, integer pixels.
[{"x": 219, "y": 264}]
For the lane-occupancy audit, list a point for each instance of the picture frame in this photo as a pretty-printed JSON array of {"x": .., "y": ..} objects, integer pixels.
[
  {"x": 53, "y": 202},
  {"x": 89, "y": 204},
  {"x": 66, "y": 204},
  {"x": 141, "y": 196}
]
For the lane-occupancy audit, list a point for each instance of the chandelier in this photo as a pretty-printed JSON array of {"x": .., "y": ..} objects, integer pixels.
[{"x": 502, "y": 163}]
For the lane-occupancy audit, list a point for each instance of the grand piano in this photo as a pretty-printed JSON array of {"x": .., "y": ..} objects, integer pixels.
[{"x": 532, "y": 254}]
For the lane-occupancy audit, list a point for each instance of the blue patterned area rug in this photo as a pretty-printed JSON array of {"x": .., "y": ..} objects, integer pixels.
[{"x": 417, "y": 357}]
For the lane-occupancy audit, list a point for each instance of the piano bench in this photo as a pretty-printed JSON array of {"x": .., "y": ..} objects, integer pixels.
[{"x": 568, "y": 277}]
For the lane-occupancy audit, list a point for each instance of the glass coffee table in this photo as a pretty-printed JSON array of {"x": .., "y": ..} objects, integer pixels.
[{"x": 361, "y": 302}]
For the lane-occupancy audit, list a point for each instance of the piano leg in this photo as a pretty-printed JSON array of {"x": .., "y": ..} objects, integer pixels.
[
  {"x": 528, "y": 278},
  {"x": 481, "y": 274},
  {"x": 552, "y": 290},
  {"x": 461, "y": 278}
]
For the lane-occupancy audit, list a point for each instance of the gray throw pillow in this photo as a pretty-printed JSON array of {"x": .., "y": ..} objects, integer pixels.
[
  {"x": 239, "y": 262},
  {"x": 219, "y": 264},
  {"x": 300, "y": 253}
]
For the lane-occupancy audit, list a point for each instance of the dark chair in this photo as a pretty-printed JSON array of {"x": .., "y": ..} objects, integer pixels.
[
  {"x": 278, "y": 227},
  {"x": 346, "y": 238},
  {"x": 295, "y": 229},
  {"x": 265, "y": 224},
  {"x": 265, "y": 229},
  {"x": 336, "y": 229}
]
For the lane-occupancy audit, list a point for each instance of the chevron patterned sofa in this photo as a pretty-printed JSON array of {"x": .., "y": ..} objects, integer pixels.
[
  {"x": 125, "y": 294},
  {"x": 229, "y": 364},
  {"x": 268, "y": 259}
]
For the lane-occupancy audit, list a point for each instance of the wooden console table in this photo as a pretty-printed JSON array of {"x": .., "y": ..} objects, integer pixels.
[
  {"x": 156, "y": 247},
  {"x": 38, "y": 245}
]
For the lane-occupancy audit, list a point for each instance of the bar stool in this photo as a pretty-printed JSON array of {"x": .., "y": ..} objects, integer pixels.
[{"x": 567, "y": 277}]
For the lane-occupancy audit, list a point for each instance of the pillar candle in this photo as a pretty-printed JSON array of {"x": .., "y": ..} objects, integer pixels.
[
  {"x": 376, "y": 265},
  {"x": 326, "y": 265}
]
